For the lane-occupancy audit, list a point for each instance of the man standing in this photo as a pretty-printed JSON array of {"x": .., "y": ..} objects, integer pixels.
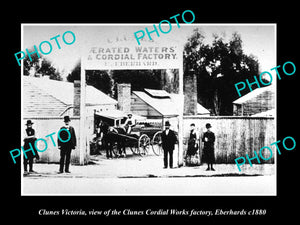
[
  {"x": 29, "y": 139},
  {"x": 169, "y": 139},
  {"x": 66, "y": 142}
]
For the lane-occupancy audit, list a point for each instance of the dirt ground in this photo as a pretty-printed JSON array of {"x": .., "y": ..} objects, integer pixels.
[{"x": 136, "y": 175}]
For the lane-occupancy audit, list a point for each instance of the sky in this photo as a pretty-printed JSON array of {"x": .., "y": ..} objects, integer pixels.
[{"x": 258, "y": 39}]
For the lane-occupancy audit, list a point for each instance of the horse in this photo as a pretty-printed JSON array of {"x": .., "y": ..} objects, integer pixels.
[
  {"x": 121, "y": 137},
  {"x": 110, "y": 136}
]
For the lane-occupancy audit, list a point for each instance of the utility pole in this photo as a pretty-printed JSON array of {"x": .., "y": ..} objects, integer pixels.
[{"x": 82, "y": 133}]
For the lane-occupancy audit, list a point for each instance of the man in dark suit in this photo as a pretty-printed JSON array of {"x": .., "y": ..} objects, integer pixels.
[
  {"x": 66, "y": 140},
  {"x": 29, "y": 140},
  {"x": 169, "y": 139}
]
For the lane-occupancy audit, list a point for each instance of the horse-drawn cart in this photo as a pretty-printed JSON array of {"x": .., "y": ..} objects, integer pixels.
[
  {"x": 140, "y": 141},
  {"x": 149, "y": 135},
  {"x": 143, "y": 137}
]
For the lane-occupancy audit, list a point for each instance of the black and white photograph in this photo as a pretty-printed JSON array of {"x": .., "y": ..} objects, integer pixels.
[
  {"x": 114, "y": 109},
  {"x": 156, "y": 113}
]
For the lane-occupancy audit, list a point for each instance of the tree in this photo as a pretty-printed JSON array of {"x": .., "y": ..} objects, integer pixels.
[
  {"x": 218, "y": 67},
  {"x": 31, "y": 66},
  {"x": 75, "y": 73},
  {"x": 99, "y": 79},
  {"x": 139, "y": 79},
  {"x": 39, "y": 66}
]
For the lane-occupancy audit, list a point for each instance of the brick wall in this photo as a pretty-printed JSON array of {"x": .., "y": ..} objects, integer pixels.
[
  {"x": 124, "y": 97},
  {"x": 190, "y": 94}
]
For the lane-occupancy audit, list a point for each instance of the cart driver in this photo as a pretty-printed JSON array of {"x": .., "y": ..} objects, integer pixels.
[{"x": 129, "y": 123}]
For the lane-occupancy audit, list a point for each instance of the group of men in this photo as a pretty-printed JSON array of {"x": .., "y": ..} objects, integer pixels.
[
  {"x": 65, "y": 147},
  {"x": 168, "y": 142}
]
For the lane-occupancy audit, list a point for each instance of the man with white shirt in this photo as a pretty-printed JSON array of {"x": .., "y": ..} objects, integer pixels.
[{"x": 129, "y": 123}]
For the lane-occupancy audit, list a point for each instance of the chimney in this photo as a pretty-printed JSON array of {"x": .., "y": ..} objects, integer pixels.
[
  {"x": 76, "y": 105},
  {"x": 124, "y": 97},
  {"x": 190, "y": 93}
]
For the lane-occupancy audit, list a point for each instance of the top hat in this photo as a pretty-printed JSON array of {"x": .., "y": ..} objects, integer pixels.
[
  {"x": 67, "y": 119},
  {"x": 29, "y": 122},
  {"x": 167, "y": 123},
  {"x": 208, "y": 125}
]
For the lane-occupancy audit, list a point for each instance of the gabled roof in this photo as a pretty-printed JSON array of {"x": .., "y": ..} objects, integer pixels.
[
  {"x": 164, "y": 106},
  {"x": 64, "y": 91},
  {"x": 37, "y": 102},
  {"x": 44, "y": 97},
  {"x": 165, "y": 103},
  {"x": 254, "y": 94}
]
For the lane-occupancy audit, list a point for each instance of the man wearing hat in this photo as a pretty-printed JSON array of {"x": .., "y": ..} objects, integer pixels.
[
  {"x": 29, "y": 139},
  {"x": 66, "y": 147},
  {"x": 169, "y": 139},
  {"x": 208, "y": 149},
  {"x": 129, "y": 123}
]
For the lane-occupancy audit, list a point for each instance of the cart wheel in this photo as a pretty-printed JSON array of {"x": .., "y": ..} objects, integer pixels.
[
  {"x": 157, "y": 143},
  {"x": 144, "y": 145}
]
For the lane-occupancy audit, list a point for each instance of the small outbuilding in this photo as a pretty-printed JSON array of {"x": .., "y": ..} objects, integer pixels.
[
  {"x": 257, "y": 101},
  {"x": 159, "y": 105},
  {"x": 154, "y": 104}
]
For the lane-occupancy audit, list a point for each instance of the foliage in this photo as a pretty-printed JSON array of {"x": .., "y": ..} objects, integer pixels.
[
  {"x": 39, "y": 66},
  {"x": 75, "y": 73},
  {"x": 107, "y": 81},
  {"x": 139, "y": 79},
  {"x": 99, "y": 79},
  {"x": 218, "y": 67}
]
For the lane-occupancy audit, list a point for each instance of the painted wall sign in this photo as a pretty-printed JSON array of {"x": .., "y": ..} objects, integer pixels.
[{"x": 131, "y": 56}]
